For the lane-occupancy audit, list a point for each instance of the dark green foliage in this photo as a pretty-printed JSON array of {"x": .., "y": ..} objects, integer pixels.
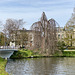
[
  {"x": 22, "y": 53},
  {"x": 61, "y": 45},
  {"x": 68, "y": 53},
  {"x": 71, "y": 48},
  {"x": 56, "y": 53},
  {"x": 65, "y": 54},
  {"x": 1, "y": 39}
]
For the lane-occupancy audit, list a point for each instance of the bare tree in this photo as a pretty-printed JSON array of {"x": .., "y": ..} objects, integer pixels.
[
  {"x": 12, "y": 24},
  {"x": 45, "y": 35}
]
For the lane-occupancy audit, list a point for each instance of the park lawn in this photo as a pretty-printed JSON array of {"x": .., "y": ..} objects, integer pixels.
[{"x": 2, "y": 66}]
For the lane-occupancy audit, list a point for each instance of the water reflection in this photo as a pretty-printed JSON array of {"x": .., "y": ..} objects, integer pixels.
[{"x": 42, "y": 66}]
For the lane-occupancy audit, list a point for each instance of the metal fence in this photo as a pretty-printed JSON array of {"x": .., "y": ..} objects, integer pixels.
[{"x": 8, "y": 47}]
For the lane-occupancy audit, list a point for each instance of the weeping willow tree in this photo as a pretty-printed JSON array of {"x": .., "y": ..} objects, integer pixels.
[
  {"x": 70, "y": 31},
  {"x": 45, "y": 35}
]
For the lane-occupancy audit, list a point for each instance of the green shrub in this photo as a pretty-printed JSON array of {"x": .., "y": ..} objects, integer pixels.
[
  {"x": 58, "y": 53},
  {"x": 61, "y": 45},
  {"x": 22, "y": 53},
  {"x": 71, "y": 48},
  {"x": 68, "y": 53}
]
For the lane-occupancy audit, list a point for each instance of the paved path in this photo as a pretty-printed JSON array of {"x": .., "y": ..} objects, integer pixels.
[{"x": 69, "y": 50}]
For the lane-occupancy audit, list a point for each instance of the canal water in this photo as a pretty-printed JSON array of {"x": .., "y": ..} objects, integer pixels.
[{"x": 42, "y": 66}]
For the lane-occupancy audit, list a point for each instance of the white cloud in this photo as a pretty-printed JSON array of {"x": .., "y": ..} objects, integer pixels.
[
  {"x": 37, "y": 2},
  {"x": 55, "y": 1},
  {"x": 31, "y": 10}
]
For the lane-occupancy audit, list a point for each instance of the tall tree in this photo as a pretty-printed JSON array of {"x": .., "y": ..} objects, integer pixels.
[
  {"x": 1, "y": 39},
  {"x": 70, "y": 31},
  {"x": 12, "y": 24},
  {"x": 45, "y": 34}
]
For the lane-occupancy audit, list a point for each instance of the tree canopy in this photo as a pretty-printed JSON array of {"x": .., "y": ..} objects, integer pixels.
[{"x": 12, "y": 24}]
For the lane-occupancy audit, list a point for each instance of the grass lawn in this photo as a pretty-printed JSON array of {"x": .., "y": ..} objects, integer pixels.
[{"x": 2, "y": 66}]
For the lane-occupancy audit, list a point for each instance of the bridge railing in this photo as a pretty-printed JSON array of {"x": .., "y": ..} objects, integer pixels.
[{"x": 8, "y": 47}]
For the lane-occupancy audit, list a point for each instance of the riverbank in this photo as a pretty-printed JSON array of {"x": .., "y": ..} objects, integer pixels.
[
  {"x": 2, "y": 66},
  {"x": 24, "y": 53},
  {"x": 66, "y": 53},
  {"x": 42, "y": 66},
  {"x": 30, "y": 54},
  {"x": 69, "y": 53}
]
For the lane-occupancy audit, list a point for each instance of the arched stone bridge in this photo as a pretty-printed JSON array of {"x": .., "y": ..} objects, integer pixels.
[{"x": 6, "y": 53}]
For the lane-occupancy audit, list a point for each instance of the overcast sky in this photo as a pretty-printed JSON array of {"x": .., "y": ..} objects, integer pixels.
[{"x": 31, "y": 10}]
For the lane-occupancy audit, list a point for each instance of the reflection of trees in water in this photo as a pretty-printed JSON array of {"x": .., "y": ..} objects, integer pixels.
[
  {"x": 42, "y": 66},
  {"x": 16, "y": 67},
  {"x": 45, "y": 66},
  {"x": 53, "y": 66},
  {"x": 31, "y": 66}
]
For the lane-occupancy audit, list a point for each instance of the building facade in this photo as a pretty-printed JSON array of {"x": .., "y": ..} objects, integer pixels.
[
  {"x": 27, "y": 37},
  {"x": 22, "y": 38}
]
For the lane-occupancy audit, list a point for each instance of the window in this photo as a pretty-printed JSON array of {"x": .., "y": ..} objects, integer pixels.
[{"x": 58, "y": 36}]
